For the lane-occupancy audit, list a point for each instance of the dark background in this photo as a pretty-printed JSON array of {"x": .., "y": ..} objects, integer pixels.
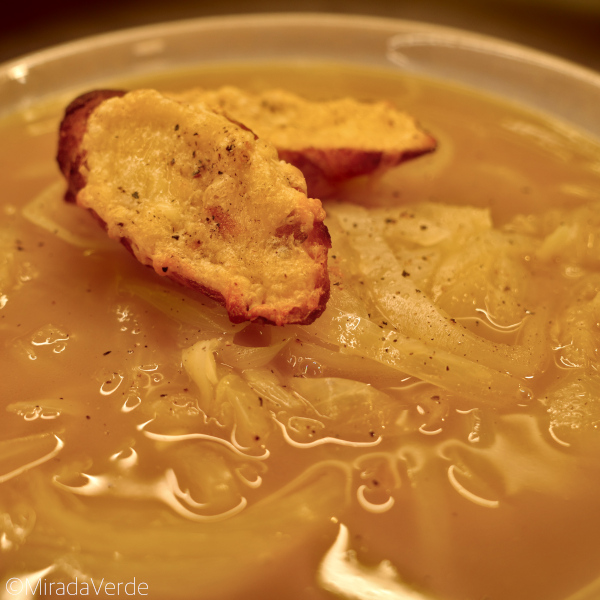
[{"x": 567, "y": 28}]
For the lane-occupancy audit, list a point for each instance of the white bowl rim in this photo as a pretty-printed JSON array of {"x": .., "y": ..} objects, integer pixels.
[
  {"x": 277, "y": 19},
  {"x": 532, "y": 77}
]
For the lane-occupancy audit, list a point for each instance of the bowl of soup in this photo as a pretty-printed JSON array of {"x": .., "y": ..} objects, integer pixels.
[{"x": 432, "y": 435}]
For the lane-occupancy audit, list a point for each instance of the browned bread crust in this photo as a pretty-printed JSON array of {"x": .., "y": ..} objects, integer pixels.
[
  {"x": 70, "y": 155},
  {"x": 330, "y": 142},
  {"x": 326, "y": 168},
  {"x": 201, "y": 200}
]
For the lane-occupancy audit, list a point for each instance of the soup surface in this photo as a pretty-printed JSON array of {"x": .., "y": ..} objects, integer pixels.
[{"x": 432, "y": 435}]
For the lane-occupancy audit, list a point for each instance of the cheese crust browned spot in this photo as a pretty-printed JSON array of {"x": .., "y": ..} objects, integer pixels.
[
  {"x": 330, "y": 142},
  {"x": 197, "y": 197}
]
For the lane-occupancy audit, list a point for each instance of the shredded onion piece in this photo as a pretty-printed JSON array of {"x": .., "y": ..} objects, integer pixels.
[
  {"x": 41, "y": 212},
  {"x": 359, "y": 336},
  {"x": 23, "y": 446},
  {"x": 411, "y": 312},
  {"x": 205, "y": 315},
  {"x": 247, "y": 357}
]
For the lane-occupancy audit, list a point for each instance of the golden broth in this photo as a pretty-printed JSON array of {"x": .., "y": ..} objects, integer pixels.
[{"x": 112, "y": 464}]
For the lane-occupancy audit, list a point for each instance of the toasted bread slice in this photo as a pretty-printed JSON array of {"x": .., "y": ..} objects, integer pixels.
[
  {"x": 201, "y": 200},
  {"x": 330, "y": 142}
]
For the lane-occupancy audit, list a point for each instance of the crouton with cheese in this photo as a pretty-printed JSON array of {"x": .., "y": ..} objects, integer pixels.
[
  {"x": 330, "y": 142},
  {"x": 200, "y": 199}
]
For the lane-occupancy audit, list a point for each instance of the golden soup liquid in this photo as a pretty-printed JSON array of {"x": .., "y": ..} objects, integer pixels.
[{"x": 432, "y": 436}]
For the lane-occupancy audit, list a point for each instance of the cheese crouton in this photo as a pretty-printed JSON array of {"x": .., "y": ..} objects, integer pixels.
[
  {"x": 330, "y": 142},
  {"x": 201, "y": 200}
]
